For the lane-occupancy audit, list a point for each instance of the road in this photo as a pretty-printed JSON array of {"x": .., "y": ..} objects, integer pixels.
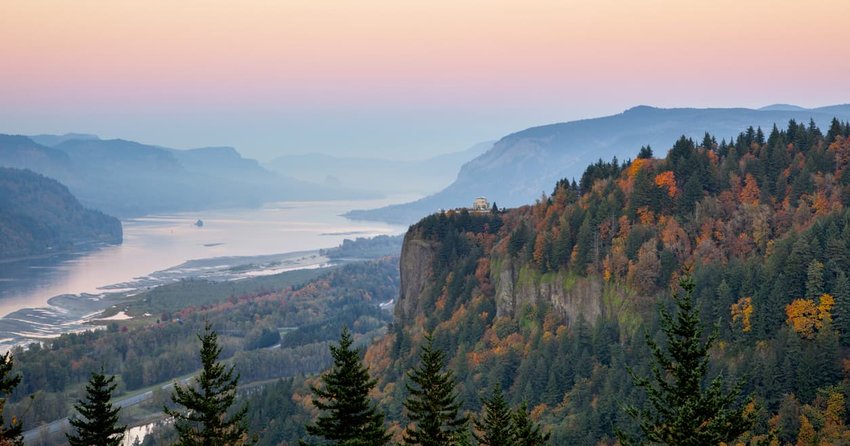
[{"x": 32, "y": 435}]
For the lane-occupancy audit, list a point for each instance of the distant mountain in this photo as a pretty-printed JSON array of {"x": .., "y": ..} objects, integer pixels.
[
  {"x": 381, "y": 175},
  {"x": 39, "y": 215},
  {"x": 782, "y": 107},
  {"x": 523, "y": 165},
  {"x": 127, "y": 178},
  {"x": 53, "y": 140}
]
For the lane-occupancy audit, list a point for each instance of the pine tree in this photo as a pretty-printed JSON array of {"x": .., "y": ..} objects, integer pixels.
[
  {"x": 495, "y": 424},
  {"x": 433, "y": 404},
  {"x": 10, "y": 435},
  {"x": 99, "y": 425},
  {"x": 205, "y": 420},
  {"x": 349, "y": 417},
  {"x": 525, "y": 431},
  {"x": 683, "y": 410}
]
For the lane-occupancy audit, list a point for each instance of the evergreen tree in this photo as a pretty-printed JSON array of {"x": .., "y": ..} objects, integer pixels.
[
  {"x": 205, "y": 420},
  {"x": 842, "y": 307},
  {"x": 814, "y": 280},
  {"x": 100, "y": 424},
  {"x": 433, "y": 403},
  {"x": 9, "y": 435},
  {"x": 495, "y": 424},
  {"x": 349, "y": 417},
  {"x": 645, "y": 152},
  {"x": 525, "y": 431},
  {"x": 683, "y": 410}
]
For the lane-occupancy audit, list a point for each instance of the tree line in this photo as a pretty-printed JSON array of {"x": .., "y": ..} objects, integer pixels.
[{"x": 682, "y": 408}]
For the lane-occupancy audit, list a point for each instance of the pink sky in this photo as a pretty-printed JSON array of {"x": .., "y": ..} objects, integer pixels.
[{"x": 273, "y": 76}]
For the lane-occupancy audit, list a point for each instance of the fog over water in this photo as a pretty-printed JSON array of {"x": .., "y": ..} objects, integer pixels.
[{"x": 158, "y": 242}]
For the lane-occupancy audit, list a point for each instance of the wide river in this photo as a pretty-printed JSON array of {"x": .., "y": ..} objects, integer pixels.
[{"x": 158, "y": 242}]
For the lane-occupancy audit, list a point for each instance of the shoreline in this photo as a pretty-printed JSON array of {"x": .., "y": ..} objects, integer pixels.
[{"x": 69, "y": 313}]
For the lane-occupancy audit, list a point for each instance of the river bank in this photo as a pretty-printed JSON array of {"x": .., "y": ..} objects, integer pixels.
[
  {"x": 44, "y": 297},
  {"x": 68, "y": 313}
]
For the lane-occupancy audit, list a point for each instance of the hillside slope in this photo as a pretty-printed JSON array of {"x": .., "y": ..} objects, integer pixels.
[
  {"x": 550, "y": 301},
  {"x": 522, "y": 165},
  {"x": 39, "y": 215},
  {"x": 126, "y": 178}
]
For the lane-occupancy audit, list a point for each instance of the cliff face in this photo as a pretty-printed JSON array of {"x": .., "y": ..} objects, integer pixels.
[
  {"x": 509, "y": 283},
  {"x": 417, "y": 258},
  {"x": 571, "y": 297}
]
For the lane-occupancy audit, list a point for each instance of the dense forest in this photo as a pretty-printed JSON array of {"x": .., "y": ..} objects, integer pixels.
[
  {"x": 270, "y": 327},
  {"x": 547, "y": 313},
  {"x": 38, "y": 215},
  {"x": 551, "y": 301}
]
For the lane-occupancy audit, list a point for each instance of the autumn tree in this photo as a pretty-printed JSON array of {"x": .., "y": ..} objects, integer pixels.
[
  {"x": 433, "y": 404},
  {"x": 682, "y": 409},
  {"x": 807, "y": 316},
  {"x": 349, "y": 417},
  {"x": 99, "y": 423},
  {"x": 750, "y": 193},
  {"x": 206, "y": 418},
  {"x": 643, "y": 273},
  {"x": 742, "y": 311}
]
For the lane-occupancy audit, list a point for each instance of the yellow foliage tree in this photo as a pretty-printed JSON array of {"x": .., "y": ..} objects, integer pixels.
[
  {"x": 806, "y": 316},
  {"x": 806, "y": 436},
  {"x": 742, "y": 311}
]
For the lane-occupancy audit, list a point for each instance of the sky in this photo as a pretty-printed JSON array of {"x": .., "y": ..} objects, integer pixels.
[{"x": 399, "y": 79}]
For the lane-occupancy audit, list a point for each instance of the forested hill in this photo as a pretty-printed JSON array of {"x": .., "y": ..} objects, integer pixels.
[
  {"x": 523, "y": 164},
  {"x": 551, "y": 300},
  {"x": 38, "y": 215}
]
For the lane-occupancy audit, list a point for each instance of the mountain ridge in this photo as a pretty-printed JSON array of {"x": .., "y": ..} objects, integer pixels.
[
  {"x": 521, "y": 165},
  {"x": 128, "y": 178}
]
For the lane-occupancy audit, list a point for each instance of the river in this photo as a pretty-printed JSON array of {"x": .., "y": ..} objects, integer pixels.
[{"x": 158, "y": 242}]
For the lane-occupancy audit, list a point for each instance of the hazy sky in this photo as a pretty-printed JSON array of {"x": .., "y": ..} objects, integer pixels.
[{"x": 399, "y": 78}]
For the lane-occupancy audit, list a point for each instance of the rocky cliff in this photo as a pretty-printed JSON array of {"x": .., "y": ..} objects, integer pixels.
[
  {"x": 416, "y": 267},
  {"x": 430, "y": 268}
]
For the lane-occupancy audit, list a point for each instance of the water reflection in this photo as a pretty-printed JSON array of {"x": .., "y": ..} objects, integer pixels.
[{"x": 155, "y": 243}]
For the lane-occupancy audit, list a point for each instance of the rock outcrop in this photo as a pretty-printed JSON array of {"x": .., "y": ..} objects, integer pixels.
[{"x": 417, "y": 256}]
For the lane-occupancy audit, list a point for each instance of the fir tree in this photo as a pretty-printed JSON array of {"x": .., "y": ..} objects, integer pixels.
[
  {"x": 495, "y": 425},
  {"x": 525, "y": 431},
  {"x": 842, "y": 307},
  {"x": 9, "y": 435},
  {"x": 814, "y": 280},
  {"x": 349, "y": 417},
  {"x": 205, "y": 420},
  {"x": 433, "y": 403},
  {"x": 99, "y": 425},
  {"x": 683, "y": 410}
]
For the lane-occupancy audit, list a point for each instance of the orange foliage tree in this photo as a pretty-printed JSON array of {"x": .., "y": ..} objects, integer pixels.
[
  {"x": 667, "y": 180},
  {"x": 751, "y": 192}
]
